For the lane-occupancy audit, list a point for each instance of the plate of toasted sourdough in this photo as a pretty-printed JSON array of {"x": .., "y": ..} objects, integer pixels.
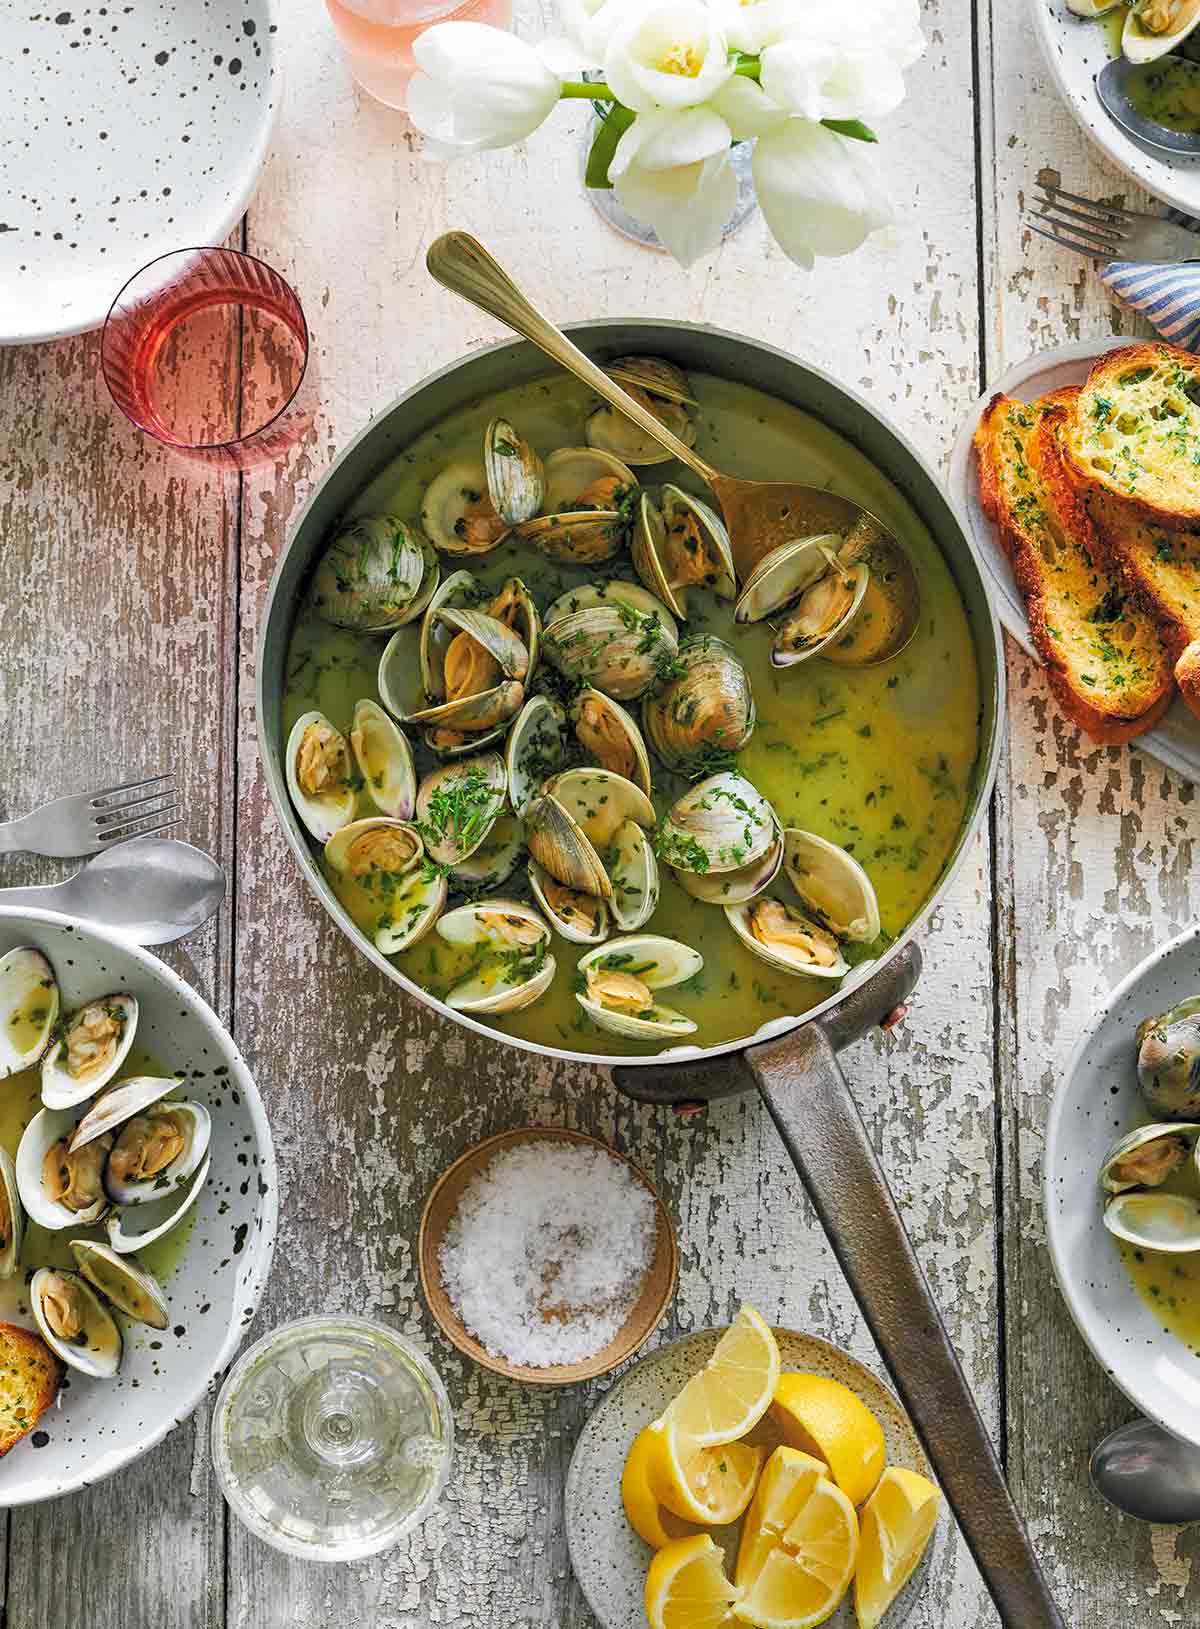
[{"x": 1079, "y": 476}]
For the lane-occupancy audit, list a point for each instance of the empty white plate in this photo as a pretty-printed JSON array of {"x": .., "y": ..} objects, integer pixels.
[{"x": 130, "y": 128}]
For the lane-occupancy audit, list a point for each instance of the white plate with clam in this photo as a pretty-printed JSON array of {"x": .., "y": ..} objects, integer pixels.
[
  {"x": 137, "y": 1195},
  {"x": 1122, "y": 1185}
]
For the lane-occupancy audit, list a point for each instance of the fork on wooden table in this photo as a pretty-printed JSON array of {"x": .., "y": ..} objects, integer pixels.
[
  {"x": 1105, "y": 231},
  {"x": 90, "y": 822}
]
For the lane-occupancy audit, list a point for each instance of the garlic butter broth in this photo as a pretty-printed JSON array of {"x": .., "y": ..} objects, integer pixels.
[{"x": 880, "y": 760}]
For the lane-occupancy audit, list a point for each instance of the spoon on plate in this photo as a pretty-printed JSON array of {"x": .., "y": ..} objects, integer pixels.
[
  {"x": 1113, "y": 89},
  {"x": 1149, "y": 1474},
  {"x": 152, "y": 890},
  {"x": 759, "y": 515}
]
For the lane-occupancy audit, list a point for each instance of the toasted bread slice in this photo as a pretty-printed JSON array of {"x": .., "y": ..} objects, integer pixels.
[
  {"x": 1136, "y": 431},
  {"x": 1162, "y": 568},
  {"x": 1103, "y": 655},
  {"x": 30, "y": 1375}
]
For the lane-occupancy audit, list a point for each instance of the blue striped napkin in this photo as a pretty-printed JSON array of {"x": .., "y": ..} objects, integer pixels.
[{"x": 1167, "y": 296}]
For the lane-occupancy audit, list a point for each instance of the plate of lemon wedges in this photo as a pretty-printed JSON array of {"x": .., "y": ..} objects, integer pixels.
[{"x": 750, "y": 1476}]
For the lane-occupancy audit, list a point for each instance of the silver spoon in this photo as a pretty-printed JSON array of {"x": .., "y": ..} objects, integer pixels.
[
  {"x": 151, "y": 889},
  {"x": 1112, "y": 87},
  {"x": 1148, "y": 1473}
]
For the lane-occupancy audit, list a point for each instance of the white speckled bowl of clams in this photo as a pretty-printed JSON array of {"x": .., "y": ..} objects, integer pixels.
[
  {"x": 1137, "y": 1307},
  {"x": 145, "y": 1201}
]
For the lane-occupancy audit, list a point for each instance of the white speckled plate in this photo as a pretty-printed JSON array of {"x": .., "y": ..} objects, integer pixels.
[
  {"x": 131, "y": 127},
  {"x": 609, "y": 1559},
  {"x": 1096, "y": 1101},
  {"x": 1175, "y": 740},
  {"x": 1076, "y": 49},
  {"x": 100, "y": 1425}
]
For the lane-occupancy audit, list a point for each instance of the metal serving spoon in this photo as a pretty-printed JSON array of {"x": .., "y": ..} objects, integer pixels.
[
  {"x": 1148, "y": 1473},
  {"x": 152, "y": 890},
  {"x": 758, "y": 514},
  {"x": 1112, "y": 87}
]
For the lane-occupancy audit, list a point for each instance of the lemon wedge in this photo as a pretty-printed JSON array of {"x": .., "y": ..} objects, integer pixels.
[
  {"x": 646, "y": 1513},
  {"x": 824, "y": 1418},
  {"x": 711, "y": 1486},
  {"x": 686, "y": 1587},
  {"x": 733, "y": 1390},
  {"x": 805, "y": 1572},
  {"x": 785, "y": 1485},
  {"x": 897, "y": 1523}
]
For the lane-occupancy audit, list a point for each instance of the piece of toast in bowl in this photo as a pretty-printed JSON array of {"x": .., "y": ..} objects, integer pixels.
[
  {"x": 30, "y": 1376},
  {"x": 1104, "y": 659},
  {"x": 1135, "y": 432},
  {"x": 1162, "y": 568}
]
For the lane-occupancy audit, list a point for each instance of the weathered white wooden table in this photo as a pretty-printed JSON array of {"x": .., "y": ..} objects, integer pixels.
[{"x": 128, "y": 608}]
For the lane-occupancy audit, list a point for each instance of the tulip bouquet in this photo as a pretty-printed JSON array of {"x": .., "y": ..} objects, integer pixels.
[{"x": 679, "y": 83}]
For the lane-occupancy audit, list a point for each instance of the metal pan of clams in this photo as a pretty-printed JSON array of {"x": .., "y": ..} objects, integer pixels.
[{"x": 579, "y": 770}]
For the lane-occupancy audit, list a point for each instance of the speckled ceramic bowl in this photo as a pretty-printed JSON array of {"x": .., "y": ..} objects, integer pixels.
[
  {"x": 1096, "y": 1101},
  {"x": 212, "y": 1292},
  {"x": 609, "y": 1559},
  {"x": 134, "y": 128}
]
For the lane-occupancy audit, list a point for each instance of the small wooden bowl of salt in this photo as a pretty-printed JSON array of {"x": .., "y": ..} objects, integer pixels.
[{"x": 546, "y": 1256}]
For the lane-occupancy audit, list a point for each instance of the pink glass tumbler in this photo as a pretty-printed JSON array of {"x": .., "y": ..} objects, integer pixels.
[{"x": 178, "y": 353}]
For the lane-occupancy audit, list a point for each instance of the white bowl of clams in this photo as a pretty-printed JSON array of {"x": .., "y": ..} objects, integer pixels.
[{"x": 137, "y": 1203}]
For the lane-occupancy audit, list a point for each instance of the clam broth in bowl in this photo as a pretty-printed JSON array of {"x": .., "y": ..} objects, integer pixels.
[
  {"x": 880, "y": 760},
  {"x": 211, "y": 1265}
]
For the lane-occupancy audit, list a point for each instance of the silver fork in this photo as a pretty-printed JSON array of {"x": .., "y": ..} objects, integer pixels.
[
  {"x": 1108, "y": 231},
  {"x": 92, "y": 821}
]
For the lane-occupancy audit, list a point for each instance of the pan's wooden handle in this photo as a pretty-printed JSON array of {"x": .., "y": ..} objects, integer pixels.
[
  {"x": 810, "y": 1102},
  {"x": 460, "y": 263}
]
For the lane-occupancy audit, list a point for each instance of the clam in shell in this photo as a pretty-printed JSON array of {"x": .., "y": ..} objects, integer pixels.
[
  {"x": 376, "y": 574},
  {"x": 75, "y": 1322},
  {"x": 662, "y": 389},
  {"x": 29, "y": 1004},
  {"x": 620, "y": 981},
  {"x": 679, "y": 543},
  {"x": 384, "y": 760},
  {"x": 781, "y": 935},
  {"x": 458, "y": 804},
  {"x": 511, "y": 965},
  {"x": 705, "y": 713},
  {"x": 320, "y": 775}
]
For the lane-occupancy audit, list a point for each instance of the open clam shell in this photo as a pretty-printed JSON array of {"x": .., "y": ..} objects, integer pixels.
[
  {"x": 91, "y": 1045},
  {"x": 1153, "y": 29},
  {"x": 319, "y": 775},
  {"x": 514, "y": 606},
  {"x": 495, "y": 860},
  {"x": 723, "y": 823},
  {"x": 75, "y": 1322},
  {"x": 659, "y": 386},
  {"x": 139, "y": 1226},
  {"x": 375, "y": 846},
  {"x": 890, "y": 611},
  {"x": 12, "y": 1217},
  {"x": 122, "y": 1281},
  {"x": 457, "y": 591},
  {"x": 783, "y": 574},
  {"x": 376, "y": 574},
  {"x": 534, "y": 751},
  {"x": 782, "y": 936},
  {"x": 457, "y": 511},
  {"x": 563, "y": 850},
  {"x": 1169, "y": 1222},
  {"x": 384, "y": 760},
  {"x": 633, "y": 872},
  {"x": 678, "y": 543},
  {"x": 516, "y": 478},
  {"x": 586, "y": 505},
  {"x": 706, "y": 712},
  {"x": 51, "y": 1130},
  {"x": 158, "y": 1141},
  {"x": 483, "y": 650},
  {"x": 1168, "y": 1061},
  {"x": 832, "y": 885},
  {"x": 734, "y": 887},
  {"x": 29, "y": 1005},
  {"x": 511, "y": 966},
  {"x": 384, "y": 856},
  {"x": 616, "y": 637},
  {"x": 620, "y": 980},
  {"x": 600, "y": 802},
  {"x": 582, "y": 918},
  {"x": 1146, "y": 1157},
  {"x": 610, "y": 736},
  {"x": 458, "y": 804}
]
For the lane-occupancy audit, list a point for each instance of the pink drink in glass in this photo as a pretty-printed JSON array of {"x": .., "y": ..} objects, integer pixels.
[{"x": 377, "y": 36}]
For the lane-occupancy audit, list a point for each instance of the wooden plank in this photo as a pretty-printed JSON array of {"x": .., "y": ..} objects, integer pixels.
[
  {"x": 1092, "y": 872},
  {"x": 118, "y": 631},
  {"x": 371, "y": 1096}
]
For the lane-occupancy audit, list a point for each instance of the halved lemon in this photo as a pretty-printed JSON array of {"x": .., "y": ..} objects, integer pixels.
[
  {"x": 897, "y": 1523},
  {"x": 711, "y": 1486},
  {"x": 822, "y": 1417},
  {"x": 733, "y": 1390},
  {"x": 686, "y": 1587},
  {"x": 804, "y": 1576},
  {"x": 785, "y": 1484}
]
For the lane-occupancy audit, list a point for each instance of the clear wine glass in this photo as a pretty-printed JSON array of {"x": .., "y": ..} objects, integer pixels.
[{"x": 332, "y": 1437}]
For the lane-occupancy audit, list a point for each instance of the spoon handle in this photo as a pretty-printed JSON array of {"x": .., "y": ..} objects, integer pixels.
[{"x": 460, "y": 263}]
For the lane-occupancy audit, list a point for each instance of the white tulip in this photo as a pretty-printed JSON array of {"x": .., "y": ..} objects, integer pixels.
[
  {"x": 671, "y": 170},
  {"x": 589, "y": 25},
  {"x": 747, "y": 109},
  {"x": 752, "y": 24},
  {"x": 671, "y": 55},
  {"x": 847, "y": 64},
  {"x": 478, "y": 87},
  {"x": 816, "y": 191}
]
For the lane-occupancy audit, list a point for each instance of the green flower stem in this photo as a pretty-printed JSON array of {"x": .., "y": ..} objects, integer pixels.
[{"x": 599, "y": 92}]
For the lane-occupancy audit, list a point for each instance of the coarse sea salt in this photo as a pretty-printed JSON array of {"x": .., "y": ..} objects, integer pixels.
[{"x": 546, "y": 1254}]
